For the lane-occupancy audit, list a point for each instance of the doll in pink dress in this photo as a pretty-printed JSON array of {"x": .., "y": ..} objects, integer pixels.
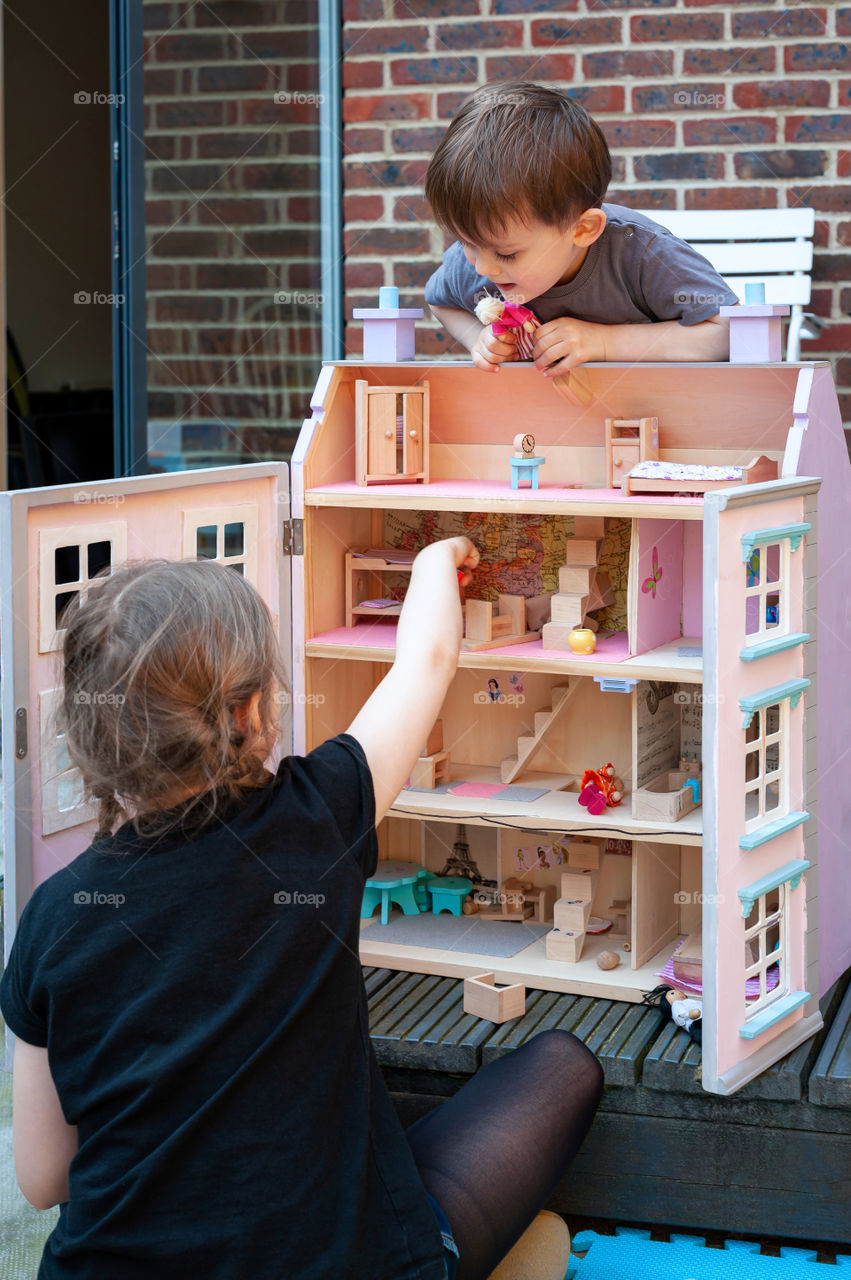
[{"x": 504, "y": 317}]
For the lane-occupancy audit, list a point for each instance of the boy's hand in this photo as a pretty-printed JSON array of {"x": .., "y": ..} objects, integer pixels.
[
  {"x": 489, "y": 351},
  {"x": 562, "y": 344}
]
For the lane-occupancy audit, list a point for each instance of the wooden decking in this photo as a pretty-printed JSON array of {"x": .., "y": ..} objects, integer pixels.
[{"x": 774, "y": 1159}]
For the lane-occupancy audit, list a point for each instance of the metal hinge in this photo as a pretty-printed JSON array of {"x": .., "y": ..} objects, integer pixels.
[
  {"x": 21, "y": 744},
  {"x": 293, "y": 538}
]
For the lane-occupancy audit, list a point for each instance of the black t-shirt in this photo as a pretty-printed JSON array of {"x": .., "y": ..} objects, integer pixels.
[{"x": 205, "y": 1018}]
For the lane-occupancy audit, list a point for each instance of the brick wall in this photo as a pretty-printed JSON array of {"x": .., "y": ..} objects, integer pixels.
[
  {"x": 706, "y": 104},
  {"x": 232, "y": 217}
]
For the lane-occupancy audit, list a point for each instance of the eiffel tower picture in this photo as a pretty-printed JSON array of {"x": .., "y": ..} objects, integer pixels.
[{"x": 459, "y": 862}]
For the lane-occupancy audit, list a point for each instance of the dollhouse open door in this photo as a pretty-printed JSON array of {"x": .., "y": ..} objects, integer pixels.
[
  {"x": 54, "y": 542},
  {"x": 760, "y": 987}
]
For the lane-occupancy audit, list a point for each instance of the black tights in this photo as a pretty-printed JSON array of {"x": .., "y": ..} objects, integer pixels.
[{"x": 493, "y": 1154}]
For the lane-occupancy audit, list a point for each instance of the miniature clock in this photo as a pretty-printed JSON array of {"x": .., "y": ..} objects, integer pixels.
[{"x": 524, "y": 445}]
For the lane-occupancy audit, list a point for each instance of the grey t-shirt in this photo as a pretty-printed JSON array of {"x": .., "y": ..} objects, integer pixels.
[{"x": 634, "y": 273}]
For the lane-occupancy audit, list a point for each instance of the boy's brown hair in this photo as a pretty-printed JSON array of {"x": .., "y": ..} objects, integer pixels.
[
  {"x": 155, "y": 661},
  {"x": 517, "y": 150}
]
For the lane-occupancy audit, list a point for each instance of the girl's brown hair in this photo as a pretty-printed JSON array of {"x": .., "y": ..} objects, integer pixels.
[
  {"x": 517, "y": 150},
  {"x": 155, "y": 661}
]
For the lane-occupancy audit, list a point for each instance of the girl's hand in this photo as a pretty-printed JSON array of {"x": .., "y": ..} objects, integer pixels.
[
  {"x": 562, "y": 344},
  {"x": 466, "y": 559},
  {"x": 489, "y": 351}
]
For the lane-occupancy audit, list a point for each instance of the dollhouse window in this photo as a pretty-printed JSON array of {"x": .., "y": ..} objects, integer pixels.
[
  {"x": 69, "y": 560},
  {"x": 227, "y": 535},
  {"x": 766, "y": 949},
  {"x": 766, "y": 592},
  {"x": 765, "y": 765}
]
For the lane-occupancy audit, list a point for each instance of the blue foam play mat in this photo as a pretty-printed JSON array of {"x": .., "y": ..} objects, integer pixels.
[{"x": 632, "y": 1255}]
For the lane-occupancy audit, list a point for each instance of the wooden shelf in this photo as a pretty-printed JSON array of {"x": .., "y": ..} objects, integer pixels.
[
  {"x": 553, "y": 811},
  {"x": 375, "y": 641},
  {"x": 479, "y": 495},
  {"x": 529, "y": 966}
]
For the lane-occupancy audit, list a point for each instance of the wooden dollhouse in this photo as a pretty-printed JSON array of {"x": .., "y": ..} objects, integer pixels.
[{"x": 716, "y": 614}]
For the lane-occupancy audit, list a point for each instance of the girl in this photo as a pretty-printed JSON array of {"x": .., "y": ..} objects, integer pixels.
[{"x": 194, "y": 1083}]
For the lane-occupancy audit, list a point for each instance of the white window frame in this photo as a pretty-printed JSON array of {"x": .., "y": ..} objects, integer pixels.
[
  {"x": 758, "y": 746},
  {"x": 765, "y": 958},
  {"x": 762, "y": 588}
]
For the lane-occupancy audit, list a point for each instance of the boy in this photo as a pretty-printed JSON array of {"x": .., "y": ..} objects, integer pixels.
[{"x": 520, "y": 178}]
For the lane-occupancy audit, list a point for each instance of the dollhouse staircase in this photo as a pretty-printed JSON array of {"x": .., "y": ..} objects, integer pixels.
[
  {"x": 582, "y": 585},
  {"x": 527, "y": 744}
]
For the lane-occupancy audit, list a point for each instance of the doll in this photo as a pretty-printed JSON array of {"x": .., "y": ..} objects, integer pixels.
[{"x": 504, "y": 317}]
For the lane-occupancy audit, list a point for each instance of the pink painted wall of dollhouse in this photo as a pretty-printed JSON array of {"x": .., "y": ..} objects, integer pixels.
[
  {"x": 154, "y": 530},
  {"x": 738, "y": 867},
  {"x": 824, "y": 453}
]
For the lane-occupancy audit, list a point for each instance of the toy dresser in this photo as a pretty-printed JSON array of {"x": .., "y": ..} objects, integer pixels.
[{"x": 717, "y": 617}]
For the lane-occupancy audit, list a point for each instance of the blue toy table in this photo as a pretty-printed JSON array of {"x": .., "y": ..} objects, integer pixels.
[
  {"x": 519, "y": 465},
  {"x": 392, "y": 882}
]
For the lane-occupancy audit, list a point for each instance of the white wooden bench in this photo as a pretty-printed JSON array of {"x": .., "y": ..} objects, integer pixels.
[{"x": 774, "y": 246}]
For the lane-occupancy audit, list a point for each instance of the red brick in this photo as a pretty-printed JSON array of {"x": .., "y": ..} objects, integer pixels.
[
  {"x": 224, "y": 146},
  {"x": 160, "y": 82},
  {"x": 166, "y": 277},
  {"x": 777, "y": 94},
  {"x": 437, "y": 8},
  {"x": 289, "y": 44},
  {"x": 384, "y": 173},
  {"x": 843, "y": 164},
  {"x": 413, "y": 275},
  {"x": 771, "y": 24},
  {"x": 237, "y": 13},
  {"x": 164, "y": 213},
  {"x": 363, "y": 208},
  {"x": 843, "y": 234},
  {"x": 385, "y": 38},
  {"x": 833, "y": 337},
  {"x": 618, "y": 169},
  {"x": 160, "y": 147},
  {"x": 461, "y": 70},
  {"x": 364, "y": 11},
  {"x": 639, "y": 133},
  {"x": 641, "y": 198},
  {"x": 236, "y": 79},
  {"x": 738, "y": 130},
  {"x": 781, "y": 164},
  {"x": 731, "y": 198},
  {"x": 177, "y": 309},
  {"x": 478, "y": 35},
  {"x": 598, "y": 98},
  {"x": 363, "y": 275},
  {"x": 843, "y": 22},
  {"x": 744, "y": 61},
  {"x": 831, "y": 56},
  {"x": 448, "y": 103},
  {"x": 304, "y": 208},
  {"x": 821, "y": 302},
  {"x": 190, "y": 115},
  {"x": 569, "y": 32},
  {"x": 397, "y": 106},
  {"x": 392, "y": 241},
  {"x": 617, "y": 63},
  {"x": 823, "y": 199},
  {"x": 832, "y": 266},
  {"x": 412, "y": 209},
  {"x": 232, "y": 275},
  {"x": 180, "y": 47},
  {"x": 425, "y": 139},
  {"x": 543, "y": 67},
  {"x": 303, "y": 142},
  {"x": 437, "y": 342},
  {"x": 679, "y": 97},
  {"x": 277, "y": 177},
  {"x": 677, "y": 165},
  {"x": 631, "y": 4},
  {"x": 242, "y": 211},
  {"x": 302, "y": 109},
  {"x": 362, "y": 75},
  {"x": 821, "y": 234},
  {"x": 680, "y": 26},
  {"x": 159, "y": 17},
  {"x": 535, "y": 6},
  {"x": 843, "y": 371},
  {"x": 828, "y": 128},
  {"x": 356, "y": 141},
  {"x": 189, "y": 243}
]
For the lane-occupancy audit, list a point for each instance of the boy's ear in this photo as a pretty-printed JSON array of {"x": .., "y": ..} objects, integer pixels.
[{"x": 589, "y": 227}]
